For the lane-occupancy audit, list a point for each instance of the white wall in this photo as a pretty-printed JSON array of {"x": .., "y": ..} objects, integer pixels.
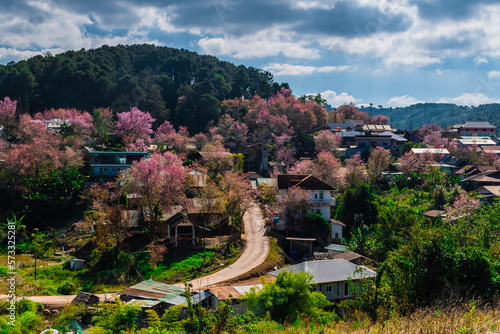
[{"x": 336, "y": 228}]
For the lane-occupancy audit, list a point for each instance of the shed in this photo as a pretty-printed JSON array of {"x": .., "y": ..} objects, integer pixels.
[
  {"x": 151, "y": 290},
  {"x": 76, "y": 264},
  {"x": 85, "y": 298},
  {"x": 335, "y": 249}
]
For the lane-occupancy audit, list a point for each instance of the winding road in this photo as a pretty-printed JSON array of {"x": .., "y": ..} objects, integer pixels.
[{"x": 257, "y": 247}]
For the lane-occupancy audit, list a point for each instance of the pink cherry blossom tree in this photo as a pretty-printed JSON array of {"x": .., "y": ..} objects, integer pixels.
[
  {"x": 355, "y": 170},
  {"x": 379, "y": 119},
  {"x": 378, "y": 161},
  {"x": 284, "y": 151},
  {"x": 133, "y": 125},
  {"x": 8, "y": 113},
  {"x": 489, "y": 159},
  {"x": 174, "y": 140},
  {"x": 200, "y": 140},
  {"x": 427, "y": 129},
  {"x": 463, "y": 206},
  {"x": 435, "y": 139},
  {"x": 327, "y": 141},
  {"x": 158, "y": 183}
]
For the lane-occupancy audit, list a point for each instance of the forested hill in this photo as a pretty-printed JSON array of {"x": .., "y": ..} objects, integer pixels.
[
  {"x": 444, "y": 114},
  {"x": 147, "y": 76}
]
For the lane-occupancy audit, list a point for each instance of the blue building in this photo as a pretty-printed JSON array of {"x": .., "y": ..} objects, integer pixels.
[{"x": 107, "y": 164}]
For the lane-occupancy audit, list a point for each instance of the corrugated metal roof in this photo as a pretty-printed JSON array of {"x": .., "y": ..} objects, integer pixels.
[
  {"x": 476, "y": 141},
  {"x": 232, "y": 292},
  {"x": 327, "y": 271},
  {"x": 430, "y": 150},
  {"x": 349, "y": 256},
  {"x": 338, "y": 248},
  {"x": 154, "y": 290},
  {"x": 179, "y": 300},
  {"x": 478, "y": 125},
  {"x": 225, "y": 292},
  {"x": 494, "y": 190}
]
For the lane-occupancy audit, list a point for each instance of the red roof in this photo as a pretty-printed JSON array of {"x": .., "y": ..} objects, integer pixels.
[{"x": 306, "y": 182}]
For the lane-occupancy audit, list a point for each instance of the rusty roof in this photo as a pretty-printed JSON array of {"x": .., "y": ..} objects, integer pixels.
[
  {"x": 434, "y": 213},
  {"x": 233, "y": 292},
  {"x": 349, "y": 256},
  {"x": 153, "y": 290}
]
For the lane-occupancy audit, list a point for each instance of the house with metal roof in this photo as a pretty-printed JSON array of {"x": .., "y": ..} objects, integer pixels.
[
  {"x": 107, "y": 164},
  {"x": 154, "y": 291},
  {"x": 476, "y": 141},
  {"x": 319, "y": 193},
  {"x": 475, "y": 129},
  {"x": 387, "y": 140},
  {"x": 334, "y": 278}
]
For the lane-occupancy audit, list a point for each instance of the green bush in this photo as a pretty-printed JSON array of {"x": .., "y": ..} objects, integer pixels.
[{"x": 29, "y": 322}]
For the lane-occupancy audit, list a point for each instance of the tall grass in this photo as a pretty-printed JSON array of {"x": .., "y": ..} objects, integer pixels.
[{"x": 464, "y": 318}]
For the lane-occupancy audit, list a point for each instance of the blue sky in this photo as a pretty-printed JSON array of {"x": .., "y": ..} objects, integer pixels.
[{"x": 389, "y": 53}]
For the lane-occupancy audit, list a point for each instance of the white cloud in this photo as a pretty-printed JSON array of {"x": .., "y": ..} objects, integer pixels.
[
  {"x": 403, "y": 101},
  {"x": 413, "y": 61},
  {"x": 493, "y": 74},
  {"x": 469, "y": 99},
  {"x": 336, "y": 100},
  {"x": 480, "y": 60},
  {"x": 289, "y": 69},
  {"x": 263, "y": 44}
]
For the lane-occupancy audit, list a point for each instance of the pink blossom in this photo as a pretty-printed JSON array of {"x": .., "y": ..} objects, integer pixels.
[
  {"x": 135, "y": 124},
  {"x": 8, "y": 112},
  {"x": 434, "y": 139},
  {"x": 327, "y": 141}
]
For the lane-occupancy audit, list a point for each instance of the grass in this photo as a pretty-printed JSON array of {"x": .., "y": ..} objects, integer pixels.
[
  {"x": 273, "y": 259},
  {"x": 193, "y": 266},
  {"x": 464, "y": 318}
]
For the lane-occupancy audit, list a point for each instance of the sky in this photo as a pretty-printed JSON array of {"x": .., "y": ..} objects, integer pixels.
[{"x": 390, "y": 53}]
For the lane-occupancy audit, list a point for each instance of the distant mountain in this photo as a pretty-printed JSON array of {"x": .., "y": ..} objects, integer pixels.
[
  {"x": 444, "y": 114},
  {"x": 149, "y": 77}
]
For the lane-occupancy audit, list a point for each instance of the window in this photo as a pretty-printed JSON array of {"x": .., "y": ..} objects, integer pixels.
[
  {"x": 105, "y": 169},
  {"x": 314, "y": 288},
  {"x": 329, "y": 289},
  {"x": 346, "y": 289},
  {"x": 315, "y": 195},
  {"x": 336, "y": 235},
  {"x": 321, "y": 195},
  {"x": 384, "y": 144},
  {"x": 318, "y": 211}
]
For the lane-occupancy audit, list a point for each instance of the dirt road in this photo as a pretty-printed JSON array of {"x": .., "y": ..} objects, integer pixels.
[
  {"x": 60, "y": 301},
  {"x": 255, "y": 252}
]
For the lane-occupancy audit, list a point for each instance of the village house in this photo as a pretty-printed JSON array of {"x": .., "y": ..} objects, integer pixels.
[
  {"x": 303, "y": 148},
  {"x": 107, "y": 164},
  {"x": 256, "y": 155},
  {"x": 318, "y": 192},
  {"x": 387, "y": 140},
  {"x": 484, "y": 129},
  {"x": 476, "y": 141},
  {"x": 334, "y": 278}
]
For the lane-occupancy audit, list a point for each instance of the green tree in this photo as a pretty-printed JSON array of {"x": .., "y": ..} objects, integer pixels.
[{"x": 287, "y": 298}]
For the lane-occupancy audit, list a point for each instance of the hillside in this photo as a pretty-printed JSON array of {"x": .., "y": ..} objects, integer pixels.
[
  {"x": 149, "y": 77},
  {"x": 444, "y": 114}
]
